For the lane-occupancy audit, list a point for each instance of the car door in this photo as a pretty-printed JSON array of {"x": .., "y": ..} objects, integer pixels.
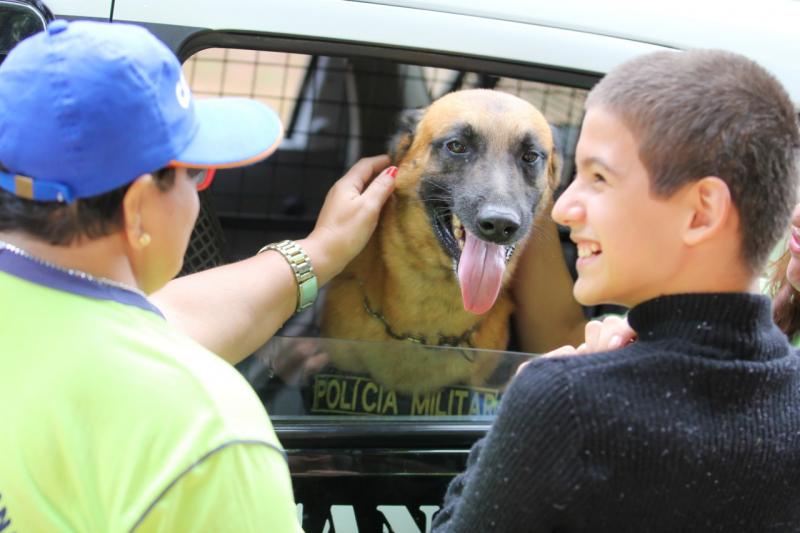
[{"x": 363, "y": 457}]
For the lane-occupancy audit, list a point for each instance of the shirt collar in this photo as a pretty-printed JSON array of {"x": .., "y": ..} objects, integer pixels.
[{"x": 20, "y": 264}]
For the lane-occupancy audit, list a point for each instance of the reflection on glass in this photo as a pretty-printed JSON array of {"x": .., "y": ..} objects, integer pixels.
[
  {"x": 17, "y": 22},
  {"x": 316, "y": 376}
]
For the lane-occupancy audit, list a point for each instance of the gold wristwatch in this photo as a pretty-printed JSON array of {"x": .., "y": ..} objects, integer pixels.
[{"x": 303, "y": 271}]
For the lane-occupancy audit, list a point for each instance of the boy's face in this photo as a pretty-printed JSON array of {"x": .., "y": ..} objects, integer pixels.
[{"x": 629, "y": 241}]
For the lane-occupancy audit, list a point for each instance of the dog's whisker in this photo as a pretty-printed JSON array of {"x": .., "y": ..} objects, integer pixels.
[
  {"x": 437, "y": 184},
  {"x": 443, "y": 193},
  {"x": 434, "y": 207}
]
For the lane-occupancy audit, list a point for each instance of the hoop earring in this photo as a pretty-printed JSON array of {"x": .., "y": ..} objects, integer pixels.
[{"x": 144, "y": 239}]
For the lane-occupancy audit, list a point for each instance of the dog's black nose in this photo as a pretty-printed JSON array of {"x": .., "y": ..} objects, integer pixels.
[{"x": 498, "y": 224}]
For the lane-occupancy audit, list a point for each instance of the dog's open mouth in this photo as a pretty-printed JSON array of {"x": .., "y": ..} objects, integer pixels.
[{"x": 479, "y": 265}]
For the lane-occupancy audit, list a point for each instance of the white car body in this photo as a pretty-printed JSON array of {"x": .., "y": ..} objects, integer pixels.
[{"x": 575, "y": 35}]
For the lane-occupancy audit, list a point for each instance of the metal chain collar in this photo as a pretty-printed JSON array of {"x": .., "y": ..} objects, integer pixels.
[{"x": 443, "y": 340}]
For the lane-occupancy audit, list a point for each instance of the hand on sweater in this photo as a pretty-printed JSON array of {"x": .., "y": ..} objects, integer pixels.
[
  {"x": 600, "y": 336},
  {"x": 609, "y": 334}
]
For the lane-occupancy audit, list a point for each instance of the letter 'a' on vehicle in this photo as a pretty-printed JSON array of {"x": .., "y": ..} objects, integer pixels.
[{"x": 17, "y": 21}]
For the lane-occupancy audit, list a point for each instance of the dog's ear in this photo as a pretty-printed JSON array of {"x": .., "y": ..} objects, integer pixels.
[
  {"x": 401, "y": 141},
  {"x": 555, "y": 163}
]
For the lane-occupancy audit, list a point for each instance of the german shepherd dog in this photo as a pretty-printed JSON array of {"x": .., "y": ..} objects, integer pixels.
[{"x": 473, "y": 169}]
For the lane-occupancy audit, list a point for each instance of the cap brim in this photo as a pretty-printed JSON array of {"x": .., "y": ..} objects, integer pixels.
[{"x": 232, "y": 132}]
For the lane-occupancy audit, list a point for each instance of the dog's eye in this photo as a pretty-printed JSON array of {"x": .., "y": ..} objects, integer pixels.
[
  {"x": 456, "y": 147},
  {"x": 530, "y": 156}
]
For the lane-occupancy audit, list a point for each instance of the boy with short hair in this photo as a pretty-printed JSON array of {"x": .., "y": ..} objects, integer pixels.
[{"x": 686, "y": 175}]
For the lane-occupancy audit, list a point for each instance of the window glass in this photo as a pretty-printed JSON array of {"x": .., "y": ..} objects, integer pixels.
[
  {"x": 298, "y": 376},
  {"x": 270, "y": 77},
  {"x": 17, "y": 22},
  {"x": 336, "y": 110}
]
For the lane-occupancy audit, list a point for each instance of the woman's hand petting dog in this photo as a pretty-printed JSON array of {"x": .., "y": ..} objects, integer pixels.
[
  {"x": 600, "y": 336},
  {"x": 349, "y": 216}
]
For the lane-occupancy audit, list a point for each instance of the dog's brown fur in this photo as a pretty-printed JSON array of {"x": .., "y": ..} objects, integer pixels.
[{"x": 404, "y": 271}]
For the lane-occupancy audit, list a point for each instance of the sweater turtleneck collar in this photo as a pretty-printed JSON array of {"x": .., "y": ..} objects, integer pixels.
[{"x": 733, "y": 325}]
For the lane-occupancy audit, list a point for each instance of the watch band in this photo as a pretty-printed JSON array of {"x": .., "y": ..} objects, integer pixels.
[{"x": 303, "y": 271}]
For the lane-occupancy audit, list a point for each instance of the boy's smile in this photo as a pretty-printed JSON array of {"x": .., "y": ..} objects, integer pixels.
[
  {"x": 587, "y": 250},
  {"x": 628, "y": 240}
]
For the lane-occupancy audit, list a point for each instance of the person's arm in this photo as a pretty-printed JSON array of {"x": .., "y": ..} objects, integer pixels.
[
  {"x": 244, "y": 487},
  {"x": 525, "y": 474},
  {"x": 233, "y": 309},
  {"x": 546, "y": 315}
]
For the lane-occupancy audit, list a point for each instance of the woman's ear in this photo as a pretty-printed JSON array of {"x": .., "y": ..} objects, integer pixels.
[
  {"x": 136, "y": 234},
  {"x": 711, "y": 207}
]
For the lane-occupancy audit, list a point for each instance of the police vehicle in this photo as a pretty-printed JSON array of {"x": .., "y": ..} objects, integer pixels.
[{"x": 364, "y": 458}]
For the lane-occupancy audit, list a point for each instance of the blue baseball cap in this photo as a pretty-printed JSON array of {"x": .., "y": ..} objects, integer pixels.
[{"x": 87, "y": 107}]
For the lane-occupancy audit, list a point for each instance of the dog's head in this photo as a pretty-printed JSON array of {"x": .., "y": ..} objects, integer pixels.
[{"x": 481, "y": 162}]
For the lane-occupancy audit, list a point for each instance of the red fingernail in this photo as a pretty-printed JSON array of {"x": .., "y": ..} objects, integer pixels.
[{"x": 392, "y": 172}]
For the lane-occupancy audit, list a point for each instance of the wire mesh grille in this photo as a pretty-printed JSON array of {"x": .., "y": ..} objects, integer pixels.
[
  {"x": 207, "y": 240},
  {"x": 335, "y": 110}
]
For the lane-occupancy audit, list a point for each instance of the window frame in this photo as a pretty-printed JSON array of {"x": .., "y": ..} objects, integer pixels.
[{"x": 379, "y": 432}]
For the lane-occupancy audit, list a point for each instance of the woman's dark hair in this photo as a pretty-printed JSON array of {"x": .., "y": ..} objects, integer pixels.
[
  {"x": 785, "y": 298},
  {"x": 61, "y": 224}
]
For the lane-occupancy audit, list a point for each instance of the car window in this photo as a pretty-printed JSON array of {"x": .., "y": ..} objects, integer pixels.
[
  {"x": 337, "y": 109},
  {"x": 260, "y": 75},
  {"x": 17, "y": 22}
]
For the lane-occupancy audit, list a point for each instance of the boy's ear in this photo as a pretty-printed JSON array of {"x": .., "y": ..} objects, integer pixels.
[
  {"x": 401, "y": 141},
  {"x": 711, "y": 207}
]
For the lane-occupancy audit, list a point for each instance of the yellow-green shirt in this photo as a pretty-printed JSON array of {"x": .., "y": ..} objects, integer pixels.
[{"x": 112, "y": 421}]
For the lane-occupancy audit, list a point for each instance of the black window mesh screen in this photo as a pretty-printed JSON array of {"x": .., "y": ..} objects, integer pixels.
[
  {"x": 334, "y": 110},
  {"x": 207, "y": 240}
]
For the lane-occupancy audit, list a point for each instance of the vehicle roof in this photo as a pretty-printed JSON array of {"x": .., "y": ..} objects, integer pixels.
[
  {"x": 583, "y": 35},
  {"x": 678, "y": 23},
  {"x": 768, "y": 32}
]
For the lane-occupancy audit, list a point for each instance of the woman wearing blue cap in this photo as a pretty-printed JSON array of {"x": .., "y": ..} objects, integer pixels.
[{"x": 112, "y": 419}]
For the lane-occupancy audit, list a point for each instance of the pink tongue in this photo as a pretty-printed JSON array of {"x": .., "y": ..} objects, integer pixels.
[{"x": 480, "y": 272}]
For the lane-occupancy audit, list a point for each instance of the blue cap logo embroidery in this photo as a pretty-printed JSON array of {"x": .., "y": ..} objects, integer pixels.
[
  {"x": 126, "y": 128},
  {"x": 183, "y": 93}
]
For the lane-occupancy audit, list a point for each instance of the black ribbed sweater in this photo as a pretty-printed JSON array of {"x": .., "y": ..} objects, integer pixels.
[{"x": 694, "y": 427}]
